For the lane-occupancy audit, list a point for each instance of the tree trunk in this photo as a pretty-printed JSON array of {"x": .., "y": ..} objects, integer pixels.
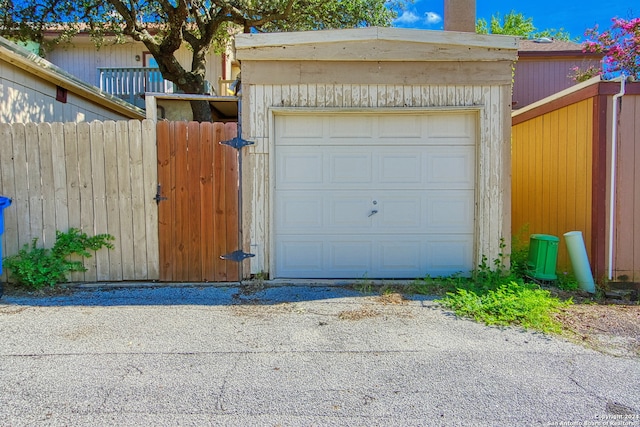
[
  {"x": 189, "y": 82},
  {"x": 201, "y": 111}
]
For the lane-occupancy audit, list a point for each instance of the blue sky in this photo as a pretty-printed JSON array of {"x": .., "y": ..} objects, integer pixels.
[{"x": 573, "y": 16}]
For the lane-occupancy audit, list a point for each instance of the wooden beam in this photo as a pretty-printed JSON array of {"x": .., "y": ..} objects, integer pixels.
[{"x": 406, "y": 73}]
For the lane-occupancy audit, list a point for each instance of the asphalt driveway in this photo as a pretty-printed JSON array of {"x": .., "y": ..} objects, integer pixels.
[{"x": 291, "y": 356}]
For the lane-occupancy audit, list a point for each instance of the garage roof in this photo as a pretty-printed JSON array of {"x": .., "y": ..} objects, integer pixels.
[{"x": 376, "y": 44}]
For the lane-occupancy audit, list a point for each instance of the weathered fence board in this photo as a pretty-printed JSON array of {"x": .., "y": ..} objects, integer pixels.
[
  {"x": 100, "y": 202},
  {"x": 99, "y": 177}
]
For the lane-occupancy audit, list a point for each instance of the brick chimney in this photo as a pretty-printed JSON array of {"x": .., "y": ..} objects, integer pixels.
[{"x": 460, "y": 15}]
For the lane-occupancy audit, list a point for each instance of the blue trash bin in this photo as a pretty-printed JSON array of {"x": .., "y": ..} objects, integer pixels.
[{"x": 4, "y": 202}]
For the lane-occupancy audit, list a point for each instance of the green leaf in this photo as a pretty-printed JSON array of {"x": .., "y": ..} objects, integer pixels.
[{"x": 36, "y": 267}]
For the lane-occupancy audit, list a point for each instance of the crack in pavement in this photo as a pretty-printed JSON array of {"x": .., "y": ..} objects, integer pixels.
[{"x": 220, "y": 397}]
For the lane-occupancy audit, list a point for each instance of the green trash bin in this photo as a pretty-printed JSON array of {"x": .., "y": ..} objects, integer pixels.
[{"x": 543, "y": 256}]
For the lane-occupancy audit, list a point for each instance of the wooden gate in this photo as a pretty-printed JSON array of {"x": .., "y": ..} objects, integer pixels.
[{"x": 197, "y": 201}]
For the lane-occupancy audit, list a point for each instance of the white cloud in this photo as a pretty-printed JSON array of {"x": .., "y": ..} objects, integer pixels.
[
  {"x": 406, "y": 18},
  {"x": 432, "y": 18}
]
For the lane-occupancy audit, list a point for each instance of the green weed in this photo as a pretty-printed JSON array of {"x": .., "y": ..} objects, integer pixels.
[
  {"x": 496, "y": 294},
  {"x": 364, "y": 285},
  {"x": 438, "y": 285},
  {"x": 510, "y": 304},
  {"x": 567, "y": 281},
  {"x": 520, "y": 252},
  {"x": 34, "y": 267}
]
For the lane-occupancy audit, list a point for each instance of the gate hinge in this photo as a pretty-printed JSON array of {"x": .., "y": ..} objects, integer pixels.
[
  {"x": 237, "y": 143},
  {"x": 237, "y": 256}
]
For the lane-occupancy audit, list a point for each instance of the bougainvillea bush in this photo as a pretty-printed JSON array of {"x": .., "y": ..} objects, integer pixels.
[{"x": 620, "y": 46}]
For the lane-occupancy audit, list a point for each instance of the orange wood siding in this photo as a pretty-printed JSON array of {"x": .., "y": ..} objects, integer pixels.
[
  {"x": 627, "y": 225},
  {"x": 552, "y": 175}
]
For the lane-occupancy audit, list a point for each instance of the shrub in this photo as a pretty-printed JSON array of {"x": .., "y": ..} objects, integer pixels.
[{"x": 35, "y": 267}]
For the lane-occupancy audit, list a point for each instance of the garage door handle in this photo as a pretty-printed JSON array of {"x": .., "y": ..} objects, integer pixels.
[{"x": 373, "y": 212}]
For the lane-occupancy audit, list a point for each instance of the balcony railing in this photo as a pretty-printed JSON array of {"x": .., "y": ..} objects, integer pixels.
[{"x": 130, "y": 83}]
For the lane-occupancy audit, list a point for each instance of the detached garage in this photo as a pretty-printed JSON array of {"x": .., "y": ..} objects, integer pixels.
[{"x": 379, "y": 152}]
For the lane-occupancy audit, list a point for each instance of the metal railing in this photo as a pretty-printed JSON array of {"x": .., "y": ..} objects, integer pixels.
[{"x": 130, "y": 83}]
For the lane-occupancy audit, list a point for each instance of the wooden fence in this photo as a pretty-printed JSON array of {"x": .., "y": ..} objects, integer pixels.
[{"x": 99, "y": 177}]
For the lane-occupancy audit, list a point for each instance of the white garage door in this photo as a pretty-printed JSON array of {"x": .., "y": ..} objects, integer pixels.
[{"x": 377, "y": 196}]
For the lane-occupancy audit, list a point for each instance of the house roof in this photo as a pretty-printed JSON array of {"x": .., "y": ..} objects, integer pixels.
[
  {"x": 32, "y": 63},
  {"x": 548, "y": 47},
  {"x": 375, "y": 44}
]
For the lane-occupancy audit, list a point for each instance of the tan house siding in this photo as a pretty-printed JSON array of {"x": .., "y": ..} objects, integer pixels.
[
  {"x": 83, "y": 59},
  {"x": 27, "y": 98},
  {"x": 29, "y": 87}
]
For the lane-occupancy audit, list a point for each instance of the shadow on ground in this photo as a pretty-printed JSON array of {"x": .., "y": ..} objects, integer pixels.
[{"x": 181, "y": 294}]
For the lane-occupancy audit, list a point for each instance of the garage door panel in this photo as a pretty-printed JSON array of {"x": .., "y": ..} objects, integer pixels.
[
  {"x": 333, "y": 256},
  {"x": 450, "y": 212},
  {"x": 450, "y": 167},
  {"x": 348, "y": 213},
  {"x": 399, "y": 258},
  {"x": 347, "y": 167},
  {"x": 451, "y": 129},
  {"x": 345, "y": 127},
  {"x": 400, "y": 213},
  {"x": 354, "y": 129},
  {"x": 376, "y": 167},
  {"x": 321, "y": 212},
  {"x": 299, "y": 212},
  {"x": 403, "y": 166},
  {"x": 408, "y": 257},
  {"x": 395, "y": 126},
  {"x": 296, "y": 128},
  {"x": 447, "y": 255},
  {"x": 296, "y": 167},
  {"x": 349, "y": 257},
  {"x": 300, "y": 257}
]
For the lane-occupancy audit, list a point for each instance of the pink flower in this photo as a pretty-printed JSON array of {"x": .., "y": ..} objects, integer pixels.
[{"x": 620, "y": 45}]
